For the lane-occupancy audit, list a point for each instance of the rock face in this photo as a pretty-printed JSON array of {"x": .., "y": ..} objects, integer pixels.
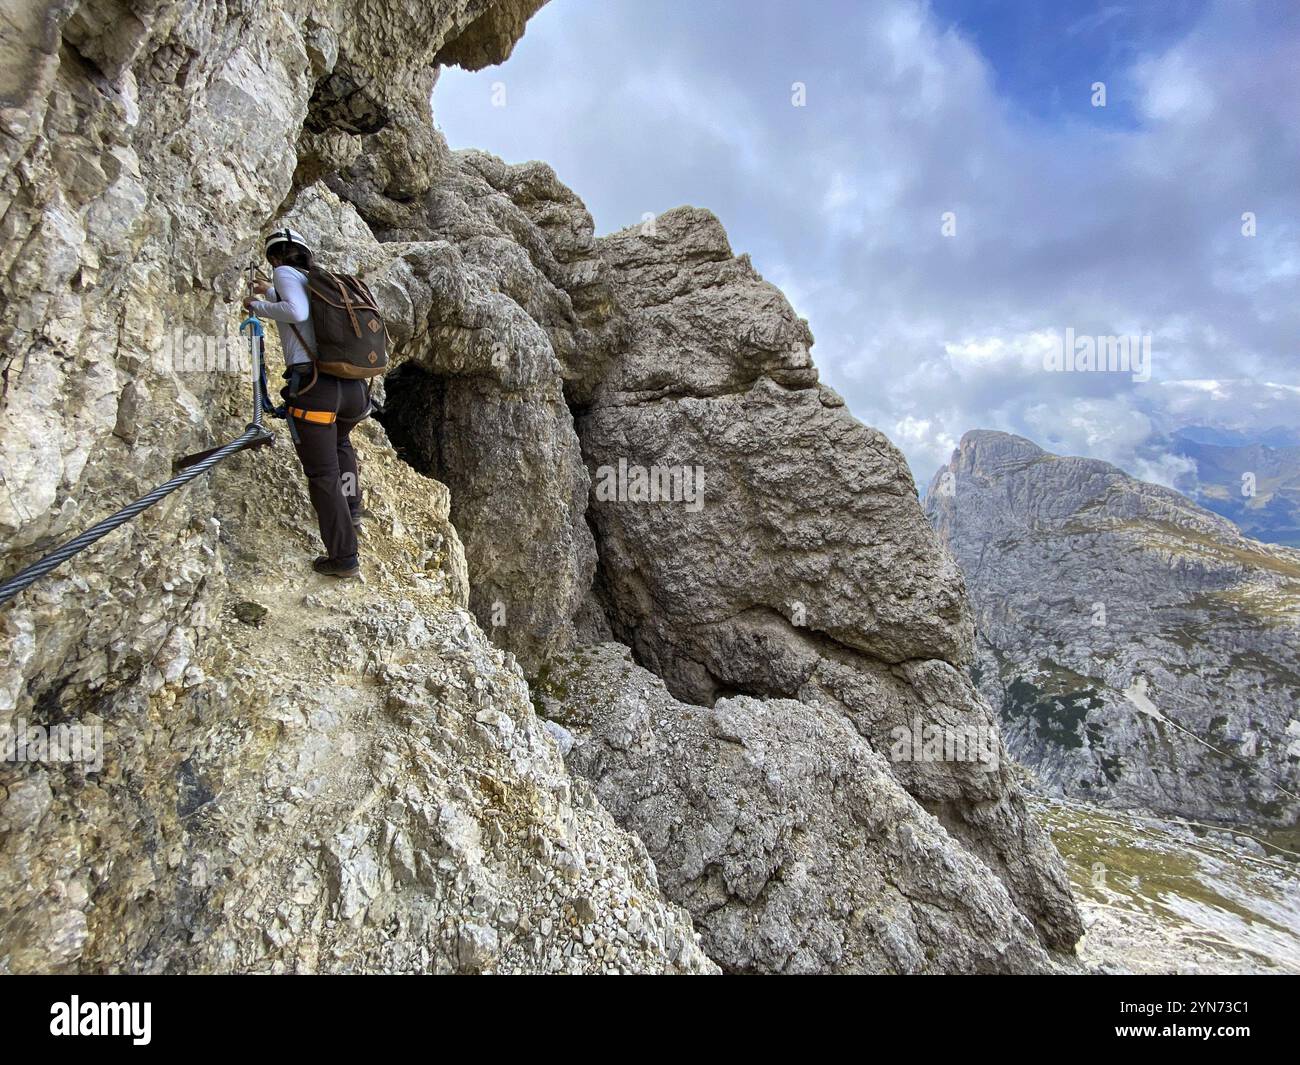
[
  {"x": 786, "y": 835},
  {"x": 354, "y": 782},
  {"x": 305, "y": 776},
  {"x": 804, "y": 567},
  {"x": 1141, "y": 650},
  {"x": 806, "y": 527},
  {"x": 516, "y": 325},
  {"x": 358, "y": 783}
]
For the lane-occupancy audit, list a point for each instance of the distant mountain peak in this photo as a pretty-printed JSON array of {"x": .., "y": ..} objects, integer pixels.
[{"x": 1090, "y": 585}]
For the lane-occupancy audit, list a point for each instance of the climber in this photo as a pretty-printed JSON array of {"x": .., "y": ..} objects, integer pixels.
[{"x": 323, "y": 408}]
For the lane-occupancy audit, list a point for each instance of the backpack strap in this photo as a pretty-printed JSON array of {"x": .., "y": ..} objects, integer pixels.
[
  {"x": 314, "y": 373},
  {"x": 352, "y": 313}
]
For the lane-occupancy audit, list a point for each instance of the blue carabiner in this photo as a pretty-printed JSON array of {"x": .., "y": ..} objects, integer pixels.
[{"x": 254, "y": 326}]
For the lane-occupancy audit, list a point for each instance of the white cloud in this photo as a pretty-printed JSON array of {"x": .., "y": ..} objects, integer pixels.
[
  {"x": 1166, "y": 469},
  {"x": 921, "y": 436},
  {"x": 1174, "y": 89},
  {"x": 1210, "y": 387},
  {"x": 1023, "y": 351}
]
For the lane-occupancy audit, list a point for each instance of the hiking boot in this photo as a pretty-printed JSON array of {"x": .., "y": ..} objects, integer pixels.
[{"x": 336, "y": 567}]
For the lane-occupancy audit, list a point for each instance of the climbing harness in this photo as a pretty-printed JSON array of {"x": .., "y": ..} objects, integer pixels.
[{"x": 189, "y": 467}]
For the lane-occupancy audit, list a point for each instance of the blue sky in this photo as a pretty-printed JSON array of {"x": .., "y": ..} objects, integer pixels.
[
  {"x": 1102, "y": 39},
  {"x": 1123, "y": 219}
]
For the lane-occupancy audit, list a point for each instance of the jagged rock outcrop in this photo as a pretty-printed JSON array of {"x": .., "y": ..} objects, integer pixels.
[
  {"x": 301, "y": 775},
  {"x": 520, "y": 325},
  {"x": 804, "y": 568},
  {"x": 783, "y": 831},
  {"x": 806, "y": 525},
  {"x": 1141, "y": 650}
]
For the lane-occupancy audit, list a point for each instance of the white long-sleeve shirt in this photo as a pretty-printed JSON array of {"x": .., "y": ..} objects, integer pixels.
[{"x": 287, "y": 303}]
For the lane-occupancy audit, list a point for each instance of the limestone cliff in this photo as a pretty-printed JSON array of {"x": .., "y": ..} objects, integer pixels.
[
  {"x": 1141, "y": 650},
  {"x": 302, "y": 775}
]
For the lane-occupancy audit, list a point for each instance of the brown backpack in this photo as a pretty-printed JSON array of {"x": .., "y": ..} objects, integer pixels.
[{"x": 351, "y": 340}]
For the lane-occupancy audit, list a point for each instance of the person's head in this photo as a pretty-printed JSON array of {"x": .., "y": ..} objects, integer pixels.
[{"x": 287, "y": 247}]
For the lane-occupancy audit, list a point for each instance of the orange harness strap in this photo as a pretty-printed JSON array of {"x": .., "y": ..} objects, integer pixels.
[{"x": 320, "y": 417}]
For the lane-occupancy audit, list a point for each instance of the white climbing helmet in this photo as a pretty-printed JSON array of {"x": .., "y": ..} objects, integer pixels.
[{"x": 285, "y": 235}]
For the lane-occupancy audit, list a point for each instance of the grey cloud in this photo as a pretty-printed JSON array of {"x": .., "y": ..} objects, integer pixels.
[{"x": 1101, "y": 225}]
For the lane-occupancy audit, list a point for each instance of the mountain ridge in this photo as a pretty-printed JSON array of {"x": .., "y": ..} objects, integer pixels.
[{"x": 1091, "y": 586}]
